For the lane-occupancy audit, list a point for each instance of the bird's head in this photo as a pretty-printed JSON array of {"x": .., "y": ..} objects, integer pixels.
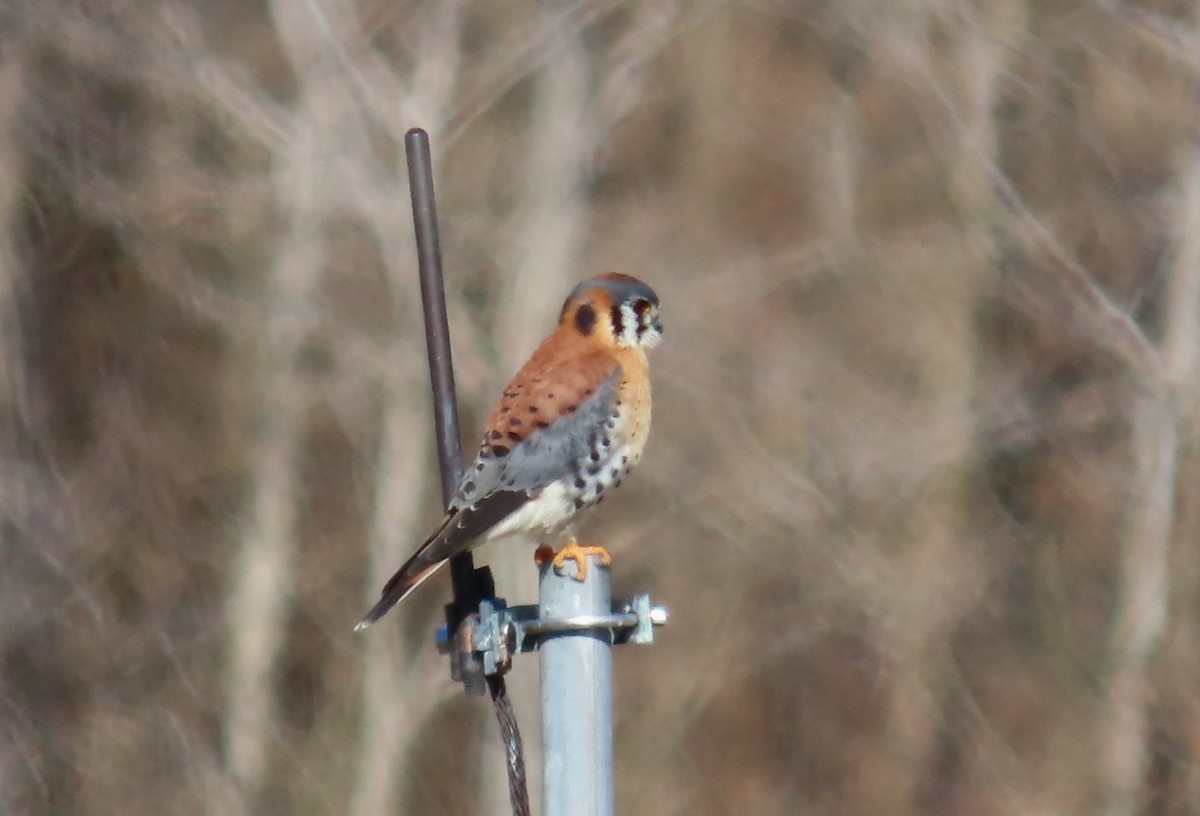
[{"x": 615, "y": 308}]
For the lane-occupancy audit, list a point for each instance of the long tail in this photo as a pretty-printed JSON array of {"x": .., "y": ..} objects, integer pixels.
[
  {"x": 456, "y": 533},
  {"x": 415, "y": 570},
  {"x": 408, "y": 578}
]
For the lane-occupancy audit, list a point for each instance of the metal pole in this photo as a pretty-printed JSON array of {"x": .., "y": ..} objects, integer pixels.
[
  {"x": 577, "y": 724},
  {"x": 441, "y": 375},
  {"x": 433, "y": 302}
]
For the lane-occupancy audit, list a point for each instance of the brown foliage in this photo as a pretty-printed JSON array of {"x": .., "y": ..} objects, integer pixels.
[{"x": 919, "y": 492}]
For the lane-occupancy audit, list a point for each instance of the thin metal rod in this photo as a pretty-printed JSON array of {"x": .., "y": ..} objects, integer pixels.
[
  {"x": 437, "y": 343},
  {"x": 576, "y": 667},
  {"x": 433, "y": 301},
  {"x": 441, "y": 374}
]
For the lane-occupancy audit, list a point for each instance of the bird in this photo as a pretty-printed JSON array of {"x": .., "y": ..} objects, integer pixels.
[{"x": 569, "y": 426}]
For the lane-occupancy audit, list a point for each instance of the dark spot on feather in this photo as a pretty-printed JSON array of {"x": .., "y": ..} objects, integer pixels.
[
  {"x": 610, "y": 425},
  {"x": 500, "y": 450},
  {"x": 598, "y": 488},
  {"x": 580, "y": 484},
  {"x": 600, "y": 499},
  {"x": 541, "y": 424},
  {"x": 515, "y": 422},
  {"x": 533, "y": 409},
  {"x": 616, "y": 484},
  {"x": 495, "y": 435},
  {"x": 479, "y": 467},
  {"x": 572, "y": 409},
  {"x": 514, "y": 436},
  {"x": 595, "y": 456},
  {"x": 579, "y": 504},
  {"x": 615, "y": 414},
  {"x": 585, "y": 319},
  {"x": 605, "y": 442},
  {"x": 550, "y": 395},
  {"x": 469, "y": 487},
  {"x": 615, "y": 473},
  {"x": 503, "y": 409},
  {"x": 593, "y": 470},
  {"x": 589, "y": 392},
  {"x": 616, "y": 402},
  {"x": 624, "y": 460}
]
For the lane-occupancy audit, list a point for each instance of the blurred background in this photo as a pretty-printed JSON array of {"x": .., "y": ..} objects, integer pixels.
[{"x": 920, "y": 491}]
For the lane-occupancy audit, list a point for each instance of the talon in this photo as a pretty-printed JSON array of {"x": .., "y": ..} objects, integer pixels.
[{"x": 574, "y": 551}]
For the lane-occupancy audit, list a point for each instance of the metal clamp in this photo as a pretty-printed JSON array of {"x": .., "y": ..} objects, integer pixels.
[{"x": 496, "y": 632}]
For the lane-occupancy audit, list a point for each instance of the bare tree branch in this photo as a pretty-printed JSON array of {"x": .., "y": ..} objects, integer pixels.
[{"x": 1145, "y": 588}]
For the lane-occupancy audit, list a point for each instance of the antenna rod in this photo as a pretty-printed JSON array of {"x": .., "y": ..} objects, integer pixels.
[
  {"x": 441, "y": 371},
  {"x": 433, "y": 303}
]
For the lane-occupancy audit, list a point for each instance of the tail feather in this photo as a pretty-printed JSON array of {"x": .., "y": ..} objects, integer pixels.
[
  {"x": 397, "y": 589},
  {"x": 457, "y": 531},
  {"x": 423, "y": 563}
]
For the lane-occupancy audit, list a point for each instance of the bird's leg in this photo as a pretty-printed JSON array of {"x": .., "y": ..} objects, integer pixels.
[{"x": 572, "y": 551}]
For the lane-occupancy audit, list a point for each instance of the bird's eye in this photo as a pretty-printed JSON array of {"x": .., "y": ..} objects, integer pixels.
[{"x": 640, "y": 307}]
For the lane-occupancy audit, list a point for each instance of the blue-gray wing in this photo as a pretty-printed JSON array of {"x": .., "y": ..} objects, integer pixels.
[
  {"x": 545, "y": 429},
  {"x": 551, "y": 450}
]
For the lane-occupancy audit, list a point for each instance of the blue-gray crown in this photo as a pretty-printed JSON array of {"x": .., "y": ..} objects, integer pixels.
[{"x": 622, "y": 288}]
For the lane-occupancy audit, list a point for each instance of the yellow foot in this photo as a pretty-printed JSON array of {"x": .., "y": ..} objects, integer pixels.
[{"x": 573, "y": 551}]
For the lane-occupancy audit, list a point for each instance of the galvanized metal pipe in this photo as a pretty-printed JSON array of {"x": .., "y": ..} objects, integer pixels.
[{"x": 577, "y": 716}]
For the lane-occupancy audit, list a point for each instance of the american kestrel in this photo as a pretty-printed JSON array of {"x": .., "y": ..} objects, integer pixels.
[{"x": 569, "y": 426}]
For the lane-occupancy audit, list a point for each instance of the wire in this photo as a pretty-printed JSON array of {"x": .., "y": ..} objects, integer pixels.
[{"x": 514, "y": 755}]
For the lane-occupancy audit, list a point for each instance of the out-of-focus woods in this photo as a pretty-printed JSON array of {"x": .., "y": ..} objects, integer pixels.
[{"x": 920, "y": 491}]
